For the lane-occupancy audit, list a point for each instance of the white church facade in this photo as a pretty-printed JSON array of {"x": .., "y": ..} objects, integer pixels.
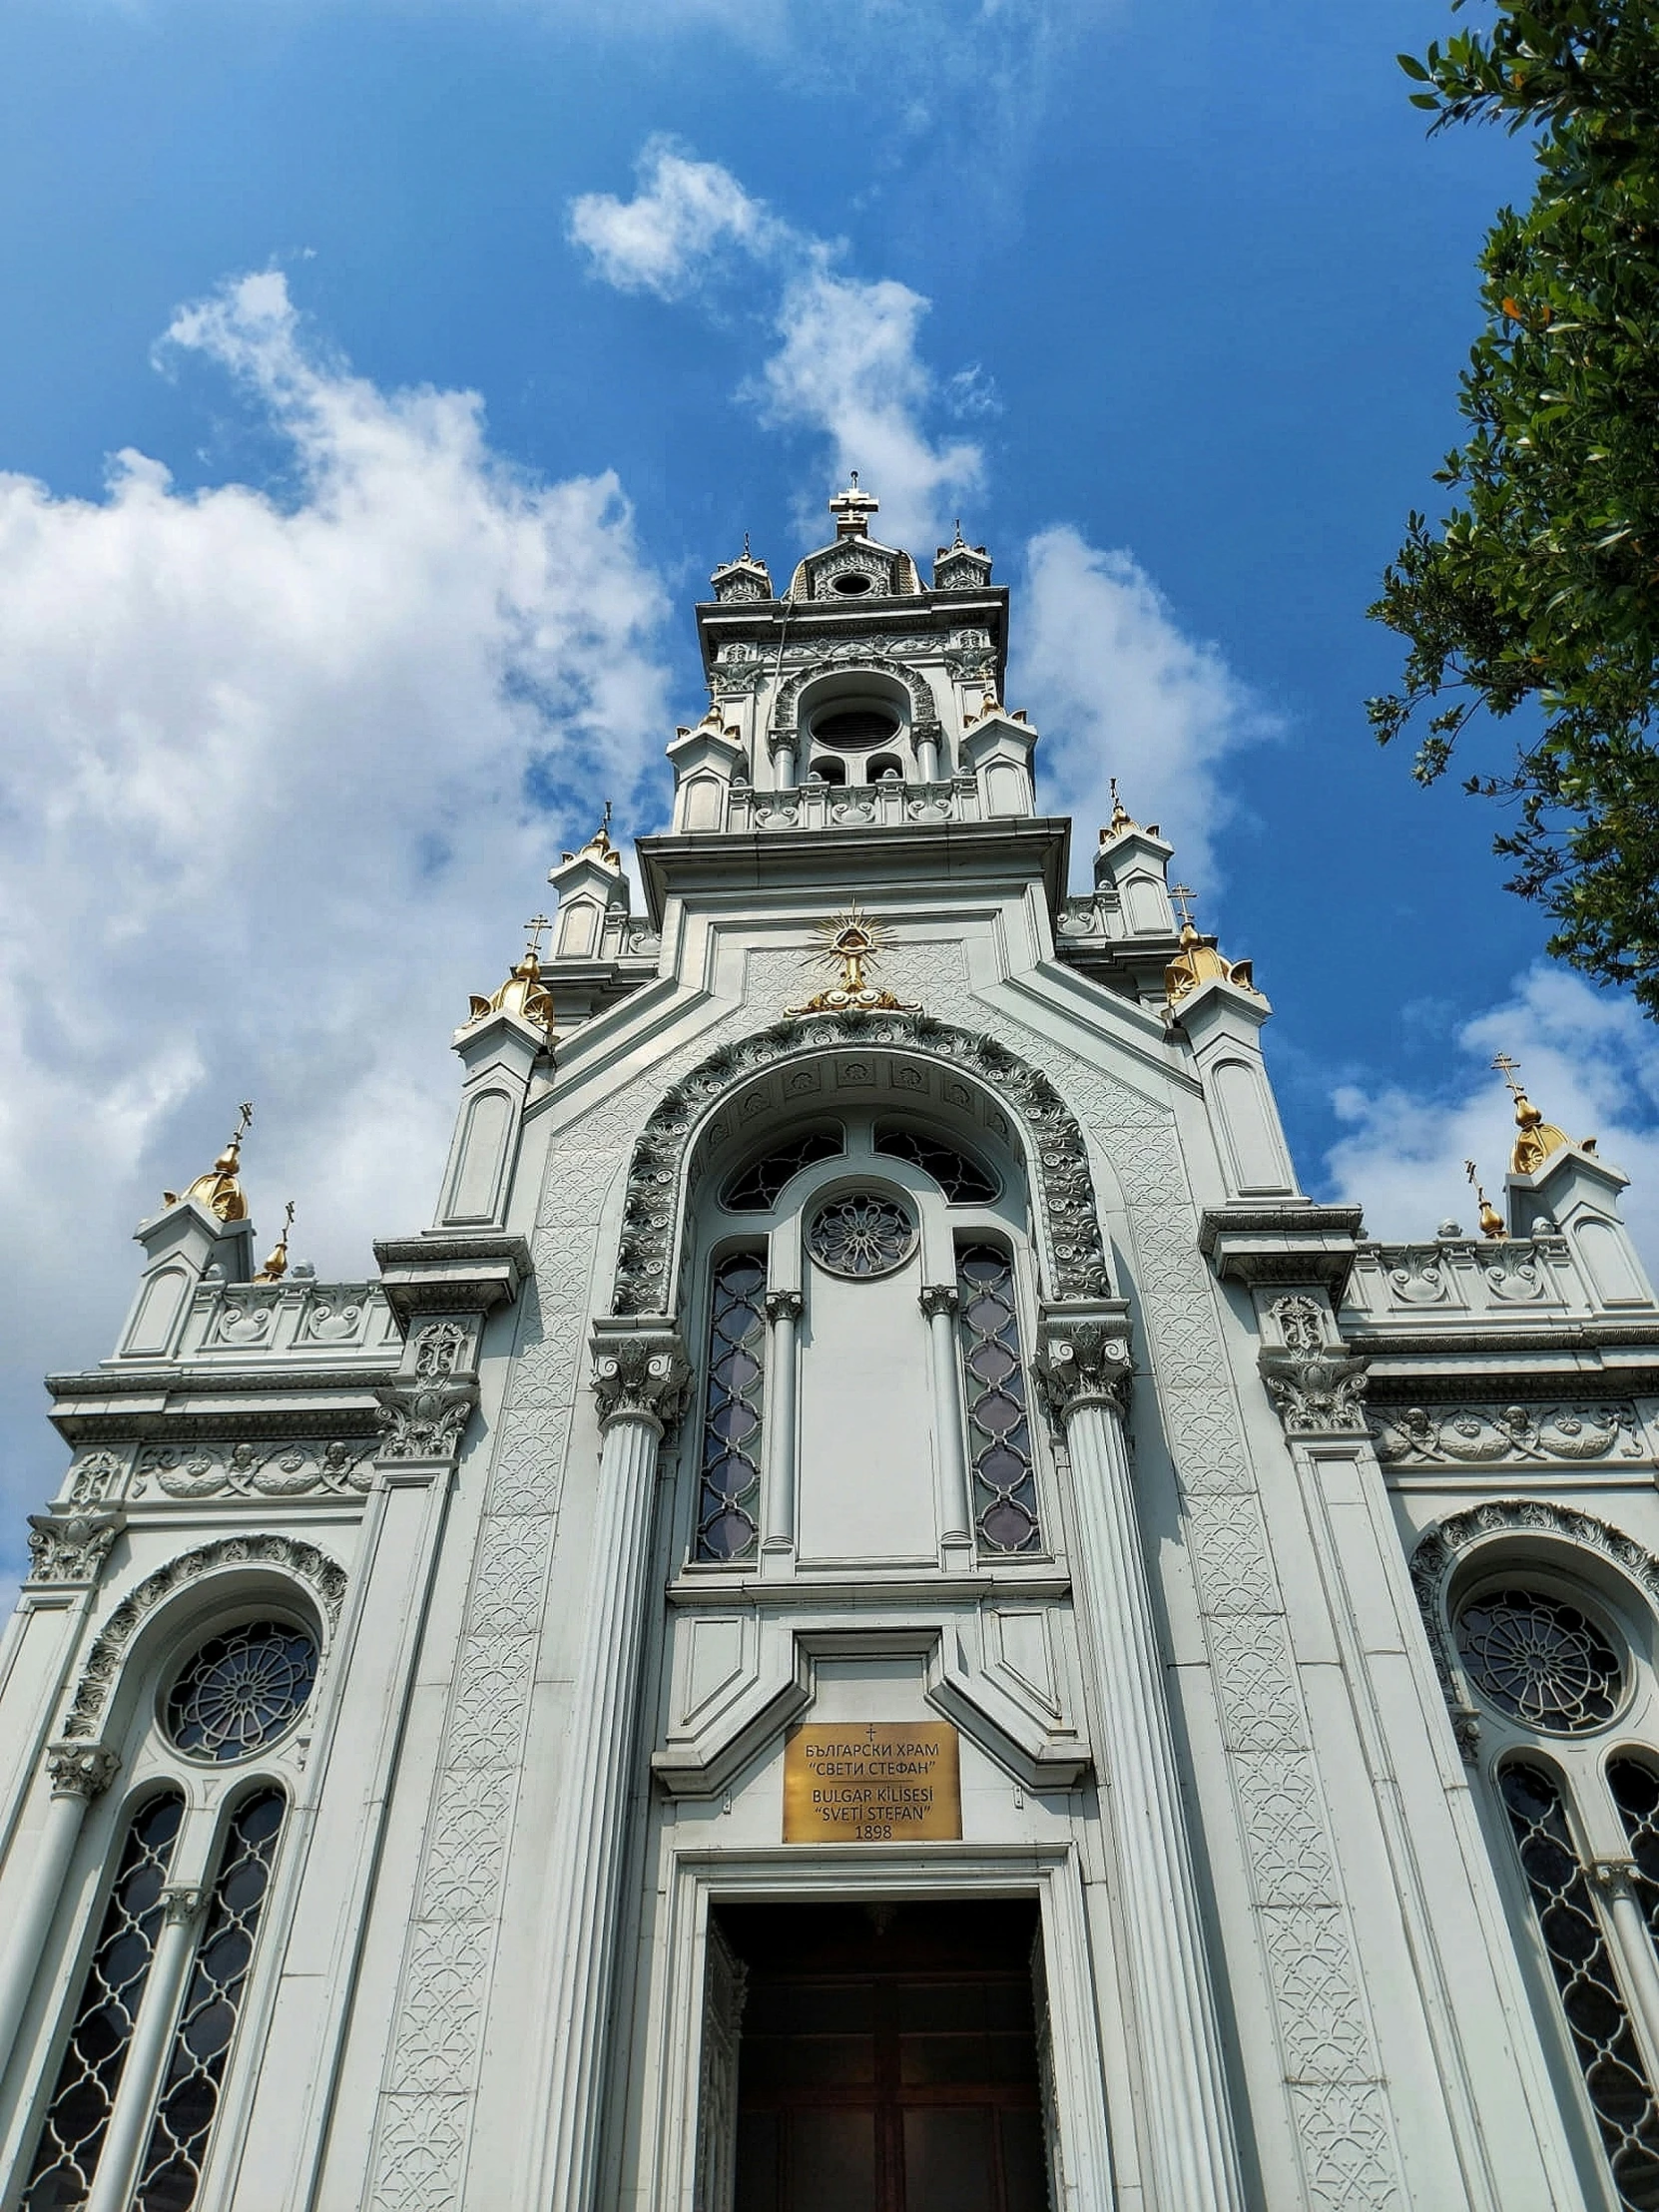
[{"x": 881, "y": 1615}]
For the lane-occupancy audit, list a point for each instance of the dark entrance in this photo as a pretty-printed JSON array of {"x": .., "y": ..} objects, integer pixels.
[{"x": 888, "y": 2059}]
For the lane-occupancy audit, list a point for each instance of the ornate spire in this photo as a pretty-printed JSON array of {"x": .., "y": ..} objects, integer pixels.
[
  {"x": 523, "y": 993},
  {"x": 1198, "y": 962},
  {"x": 277, "y": 1265},
  {"x": 1536, "y": 1140},
  {"x": 219, "y": 1190},
  {"x": 1122, "y": 818},
  {"x": 849, "y": 943},
  {"x": 853, "y": 510},
  {"x": 1491, "y": 1221}
]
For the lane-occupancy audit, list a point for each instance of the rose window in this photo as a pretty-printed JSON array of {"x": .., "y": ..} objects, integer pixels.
[
  {"x": 242, "y": 1690},
  {"x": 1539, "y": 1660},
  {"x": 862, "y": 1235}
]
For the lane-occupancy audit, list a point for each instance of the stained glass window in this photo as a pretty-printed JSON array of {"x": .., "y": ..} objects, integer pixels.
[
  {"x": 862, "y": 1235},
  {"x": 242, "y": 1690},
  {"x": 999, "y": 1426},
  {"x": 757, "y": 1189},
  {"x": 964, "y": 1181},
  {"x": 729, "y": 1494},
  {"x": 1621, "y": 2096},
  {"x": 96, "y": 2054},
  {"x": 171, "y": 2173},
  {"x": 1539, "y": 1660}
]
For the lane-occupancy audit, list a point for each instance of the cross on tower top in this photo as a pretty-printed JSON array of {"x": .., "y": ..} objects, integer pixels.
[
  {"x": 1182, "y": 897},
  {"x": 1509, "y": 1069},
  {"x": 853, "y": 510},
  {"x": 535, "y": 926}
]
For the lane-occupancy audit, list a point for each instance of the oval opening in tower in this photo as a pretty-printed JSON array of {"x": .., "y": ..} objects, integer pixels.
[
  {"x": 851, "y": 582},
  {"x": 853, "y": 727}
]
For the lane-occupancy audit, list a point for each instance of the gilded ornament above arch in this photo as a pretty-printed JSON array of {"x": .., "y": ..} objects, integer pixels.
[
  {"x": 1057, "y": 1156},
  {"x": 323, "y": 1577}
]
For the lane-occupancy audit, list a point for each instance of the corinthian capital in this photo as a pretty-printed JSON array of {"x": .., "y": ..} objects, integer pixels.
[
  {"x": 80, "y": 1770},
  {"x": 1084, "y": 1358},
  {"x": 639, "y": 1372},
  {"x": 1317, "y": 1393}
]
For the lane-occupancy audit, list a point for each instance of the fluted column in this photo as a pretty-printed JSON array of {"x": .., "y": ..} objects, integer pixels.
[
  {"x": 1085, "y": 1370},
  {"x": 940, "y": 1301},
  {"x": 79, "y": 1773},
  {"x": 135, "y": 2096},
  {"x": 777, "y": 1509},
  {"x": 640, "y": 1379}
]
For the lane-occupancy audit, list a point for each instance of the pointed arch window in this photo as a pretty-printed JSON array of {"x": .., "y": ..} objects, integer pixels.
[
  {"x": 1005, "y": 1509},
  {"x": 729, "y": 1485},
  {"x": 171, "y": 2173},
  {"x": 95, "y": 2056}
]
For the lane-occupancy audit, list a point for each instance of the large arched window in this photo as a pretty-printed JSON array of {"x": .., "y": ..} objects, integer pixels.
[
  {"x": 864, "y": 1307},
  {"x": 1550, "y": 1657},
  {"x": 177, "y": 1944}
]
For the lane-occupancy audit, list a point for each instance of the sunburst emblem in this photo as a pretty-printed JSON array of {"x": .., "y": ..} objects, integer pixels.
[{"x": 849, "y": 944}]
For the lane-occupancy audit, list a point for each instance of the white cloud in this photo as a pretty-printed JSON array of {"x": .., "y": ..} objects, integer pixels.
[
  {"x": 266, "y": 812},
  {"x": 847, "y": 364},
  {"x": 1117, "y": 688},
  {"x": 666, "y": 236},
  {"x": 1589, "y": 1059}
]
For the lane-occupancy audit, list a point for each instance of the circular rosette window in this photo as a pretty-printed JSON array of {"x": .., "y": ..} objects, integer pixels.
[
  {"x": 861, "y": 1234},
  {"x": 1539, "y": 1660},
  {"x": 242, "y": 1691}
]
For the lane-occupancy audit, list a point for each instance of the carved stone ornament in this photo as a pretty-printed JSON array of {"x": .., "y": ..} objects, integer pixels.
[
  {"x": 939, "y": 1297},
  {"x": 81, "y": 1769},
  {"x": 438, "y": 1349},
  {"x": 1440, "y": 1547},
  {"x": 300, "y": 1466},
  {"x": 1484, "y": 1436},
  {"x": 181, "y": 1903},
  {"x": 94, "y": 1477},
  {"x": 299, "y": 1562},
  {"x": 71, "y": 1548},
  {"x": 1317, "y": 1393},
  {"x": 424, "y": 1420},
  {"x": 643, "y": 1376},
  {"x": 1056, "y": 1157},
  {"x": 784, "y": 1306},
  {"x": 1083, "y": 1363}
]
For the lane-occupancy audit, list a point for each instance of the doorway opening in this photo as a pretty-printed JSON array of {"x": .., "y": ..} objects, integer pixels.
[{"x": 890, "y": 2059}]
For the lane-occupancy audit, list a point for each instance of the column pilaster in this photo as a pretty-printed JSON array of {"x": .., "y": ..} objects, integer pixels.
[
  {"x": 940, "y": 1301},
  {"x": 783, "y": 1311},
  {"x": 130, "y": 2115},
  {"x": 640, "y": 1380},
  {"x": 79, "y": 1772},
  {"x": 1085, "y": 1370}
]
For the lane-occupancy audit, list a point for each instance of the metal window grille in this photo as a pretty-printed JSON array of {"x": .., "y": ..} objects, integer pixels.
[
  {"x": 964, "y": 1181},
  {"x": 998, "y": 1411},
  {"x": 171, "y": 2173},
  {"x": 1621, "y": 2096},
  {"x": 1539, "y": 1660},
  {"x": 242, "y": 1690},
  {"x": 728, "y": 1489},
  {"x": 95, "y": 2058},
  {"x": 757, "y": 1188}
]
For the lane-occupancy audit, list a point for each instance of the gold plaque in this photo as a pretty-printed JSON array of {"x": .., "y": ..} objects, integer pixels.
[{"x": 871, "y": 1782}]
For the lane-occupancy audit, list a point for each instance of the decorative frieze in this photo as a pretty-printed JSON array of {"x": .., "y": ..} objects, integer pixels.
[
  {"x": 1495, "y": 1435},
  {"x": 303, "y": 1467}
]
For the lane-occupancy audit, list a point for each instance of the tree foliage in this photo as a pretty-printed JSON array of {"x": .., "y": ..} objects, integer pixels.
[{"x": 1541, "y": 589}]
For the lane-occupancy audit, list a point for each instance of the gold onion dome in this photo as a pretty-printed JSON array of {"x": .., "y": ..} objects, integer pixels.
[
  {"x": 219, "y": 1190},
  {"x": 1199, "y": 962},
  {"x": 277, "y": 1265},
  {"x": 523, "y": 993},
  {"x": 1536, "y": 1140}
]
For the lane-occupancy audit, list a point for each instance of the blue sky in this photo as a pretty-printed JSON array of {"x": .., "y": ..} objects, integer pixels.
[{"x": 449, "y": 346}]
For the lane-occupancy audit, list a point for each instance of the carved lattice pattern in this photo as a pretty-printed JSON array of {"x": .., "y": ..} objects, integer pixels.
[
  {"x": 862, "y": 1235},
  {"x": 96, "y": 2054},
  {"x": 964, "y": 1181},
  {"x": 728, "y": 1510},
  {"x": 1539, "y": 1660},
  {"x": 242, "y": 1690},
  {"x": 172, "y": 2170},
  {"x": 757, "y": 1189},
  {"x": 1621, "y": 2096},
  {"x": 999, "y": 1425}
]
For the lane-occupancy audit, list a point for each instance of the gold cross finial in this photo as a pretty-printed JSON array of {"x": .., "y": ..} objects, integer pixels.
[
  {"x": 245, "y": 1115},
  {"x": 1509, "y": 1069},
  {"x": 1491, "y": 1221},
  {"x": 1182, "y": 897},
  {"x": 535, "y": 926}
]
